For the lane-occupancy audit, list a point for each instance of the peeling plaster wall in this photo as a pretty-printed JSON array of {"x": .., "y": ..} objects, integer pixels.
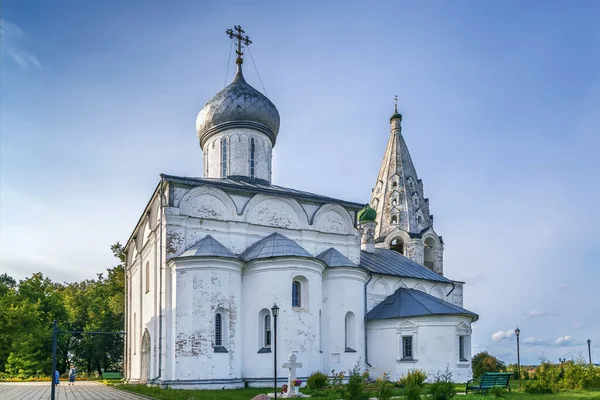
[
  {"x": 201, "y": 288},
  {"x": 270, "y": 281},
  {"x": 343, "y": 291},
  {"x": 435, "y": 345}
]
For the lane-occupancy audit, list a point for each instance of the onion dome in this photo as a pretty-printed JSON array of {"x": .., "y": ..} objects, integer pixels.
[
  {"x": 367, "y": 214},
  {"x": 396, "y": 114},
  {"x": 239, "y": 105}
]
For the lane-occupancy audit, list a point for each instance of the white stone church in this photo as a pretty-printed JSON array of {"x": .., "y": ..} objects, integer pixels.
[{"x": 210, "y": 256}]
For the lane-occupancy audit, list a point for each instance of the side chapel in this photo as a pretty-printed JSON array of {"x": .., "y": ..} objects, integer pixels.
[{"x": 210, "y": 256}]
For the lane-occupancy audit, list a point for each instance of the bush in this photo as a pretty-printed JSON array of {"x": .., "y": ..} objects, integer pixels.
[
  {"x": 356, "y": 384},
  {"x": 415, "y": 376},
  {"x": 497, "y": 392},
  {"x": 384, "y": 387},
  {"x": 317, "y": 380},
  {"x": 412, "y": 390},
  {"x": 442, "y": 387},
  {"x": 547, "y": 379}
]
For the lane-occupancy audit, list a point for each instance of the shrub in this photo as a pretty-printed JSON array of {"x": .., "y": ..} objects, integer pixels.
[
  {"x": 442, "y": 387},
  {"x": 356, "y": 384},
  {"x": 412, "y": 390},
  {"x": 497, "y": 392},
  {"x": 547, "y": 380},
  {"x": 384, "y": 387},
  {"x": 317, "y": 380},
  {"x": 415, "y": 376}
]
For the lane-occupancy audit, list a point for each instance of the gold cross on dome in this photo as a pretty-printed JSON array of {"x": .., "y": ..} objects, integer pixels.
[{"x": 237, "y": 33}]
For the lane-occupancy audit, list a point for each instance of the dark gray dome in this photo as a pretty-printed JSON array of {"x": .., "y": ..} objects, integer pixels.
[{"x": 239, "y": 105}]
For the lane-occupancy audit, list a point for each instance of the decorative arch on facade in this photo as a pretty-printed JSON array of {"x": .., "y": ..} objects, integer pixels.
[
  {"x": 437, "y": 292},
  {"x": 207, "y": 202},
  {"x": 145, "y": 347},
  {"x": 399, "y": 285},
  {"x": 420, "y": 287},
  {"x": 395, "y": 234},
  {"x": 381, "y": 287},
  {"x": 275, "y": 211},
  {"x": 333, "y": 218}
]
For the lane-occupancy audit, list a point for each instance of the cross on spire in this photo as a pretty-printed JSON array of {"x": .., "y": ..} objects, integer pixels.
[
  {"x": 237, "y": 33},
  {"x": 396, "y": 103}
]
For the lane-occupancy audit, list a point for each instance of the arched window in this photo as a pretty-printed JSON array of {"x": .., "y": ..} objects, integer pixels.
[
  {"x": 394, "y": 220},
  {"x": 419, "y": 219},
  {"x": 429, "y": 255},
  {"x": 223, "y": 158},
  {"x": 147, "y": 276},
  {"x": 394, "y": 202},
  {"x": 252, "y": 158},
  {"x": 350, "y": 333},
  {"x": 416, "y": 201},
  {"x": 394, "y": 184},
  {"x": 267, "y": 334},
  {"x": 218, "y": 329},
  {"x": 397, "y": 245},
  {"x": 296, "y": 294}
]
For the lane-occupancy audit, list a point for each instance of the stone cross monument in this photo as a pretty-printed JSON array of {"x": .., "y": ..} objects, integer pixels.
[{"x": 291, "y": 365}]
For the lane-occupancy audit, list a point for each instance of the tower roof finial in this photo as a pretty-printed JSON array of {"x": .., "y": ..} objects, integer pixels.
[
  {"x": 237, "y": 34},
  {"x": 396, "y": 114}
]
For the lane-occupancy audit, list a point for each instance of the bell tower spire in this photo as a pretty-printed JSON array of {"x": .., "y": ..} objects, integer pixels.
[{"x": 403, "y": 220}]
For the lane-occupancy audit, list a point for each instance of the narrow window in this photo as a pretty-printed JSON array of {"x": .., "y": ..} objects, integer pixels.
[
  {"x": 394, "y": 202},
  {"x": 267, "y": 340},
  {"x": 394, "y": 184},
  {"x": 420, "y": 219},
  {"x": 397, "y": 245},
  {"x": 224, "y": 158},
  {"x": 147, "y": 276},
  {"x": 218, "y": 330},
  {"x": 349, "y": 333},
  {"x": 394, "y": 220},
  {"x": 295, "y": 294},
  {"x": 462, "y": 355},
  {"x": 407, "y": 350},
  {"x": 252, "y": 158},
  {"x": 416, "y": 201}
]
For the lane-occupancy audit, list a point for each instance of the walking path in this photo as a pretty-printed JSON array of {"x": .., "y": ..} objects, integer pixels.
[{"x": 83, "y": 390}]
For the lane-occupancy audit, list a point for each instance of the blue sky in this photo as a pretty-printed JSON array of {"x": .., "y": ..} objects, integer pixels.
[{"x": 501, "y": 105}]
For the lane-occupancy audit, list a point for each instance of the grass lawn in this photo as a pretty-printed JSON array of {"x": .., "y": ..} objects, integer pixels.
[{"x": 247, "y": 394}]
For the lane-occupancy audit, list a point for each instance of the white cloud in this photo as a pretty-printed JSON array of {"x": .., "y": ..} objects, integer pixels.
[
  {"x": 11, "y": 36},
  {"x": 534, "y": 314},
  {"x": 564, "y": 341},
  {"x": 534, "y": 341},
  {"x": 502, "y": 335}
]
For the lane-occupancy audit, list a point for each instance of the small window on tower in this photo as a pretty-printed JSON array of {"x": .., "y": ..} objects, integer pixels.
[
  {"x": 394, "y": 202},
  {"x": 224, "y": 158},
  {"x": 394, "y": 184},
  {"x": 252, "y": 158},
  {"x": 420, "y": 219},
  {"x": 394, "y": 219},
  {"x": 397, "y": 245}
]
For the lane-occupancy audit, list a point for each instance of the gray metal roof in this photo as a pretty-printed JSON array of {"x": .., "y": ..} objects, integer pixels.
[
  {"x": 390, "y": 262},
  {"x": 274, "y": 245},
  {"x": 260, "y": 187},
  {"x": 414, "y": 303},
  {"x": 334, "y": 258},
  {"x": 208, "y": 247}
]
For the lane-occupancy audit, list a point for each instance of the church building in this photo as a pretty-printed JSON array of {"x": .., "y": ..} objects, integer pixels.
[{"x": 210, "y": 256}]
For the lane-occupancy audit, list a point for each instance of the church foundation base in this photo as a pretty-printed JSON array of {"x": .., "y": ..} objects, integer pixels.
[{"x": 205, "y": 384}]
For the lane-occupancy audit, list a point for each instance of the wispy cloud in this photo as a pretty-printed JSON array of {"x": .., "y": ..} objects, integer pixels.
[
  {"x": 12, "y": 44},
  {"x": 537, "y": 314},
  {"x": 502, "y": 335},
  {"x": 564, "y": 341},
  {"x": 534, "y": 341}
]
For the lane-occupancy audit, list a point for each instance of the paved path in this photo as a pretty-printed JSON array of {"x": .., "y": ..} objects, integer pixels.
[{"x": 80, "y": 391}]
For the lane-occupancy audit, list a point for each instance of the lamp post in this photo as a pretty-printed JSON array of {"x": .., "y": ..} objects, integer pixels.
[
  {"x": 517, "y": 332},
  {"x": 590, "y": 350},
  {"x": 275, "y": 311}
]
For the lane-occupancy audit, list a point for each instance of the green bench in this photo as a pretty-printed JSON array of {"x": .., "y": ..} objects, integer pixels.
[
  {"x": 112, "y": 375},
  {"x": 489, "y": 380}
]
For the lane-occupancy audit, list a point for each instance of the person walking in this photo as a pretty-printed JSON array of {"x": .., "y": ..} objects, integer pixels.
[
  {"x": 72, "y": 375},
  {"x": 56, "y": 378}
]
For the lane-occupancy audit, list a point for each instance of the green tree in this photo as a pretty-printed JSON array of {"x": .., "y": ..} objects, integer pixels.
[{"x": 484, "y": 362}]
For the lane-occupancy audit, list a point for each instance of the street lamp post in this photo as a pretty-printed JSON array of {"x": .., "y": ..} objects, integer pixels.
[
  {"x": 275, "y": 311},
  {"x": 589, "y": 342},
  {"x": 517, "y": 332}
]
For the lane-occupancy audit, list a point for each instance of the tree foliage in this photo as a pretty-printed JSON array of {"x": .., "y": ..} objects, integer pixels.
[
  {"x": 484, "y": 362},
  {"x": 29, "y": 307}
]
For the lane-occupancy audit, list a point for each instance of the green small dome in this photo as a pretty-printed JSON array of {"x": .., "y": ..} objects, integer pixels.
[{"x": 367, "y": 214}]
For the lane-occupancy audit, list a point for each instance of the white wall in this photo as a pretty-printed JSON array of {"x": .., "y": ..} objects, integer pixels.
[{"x": 435, "y": 345}]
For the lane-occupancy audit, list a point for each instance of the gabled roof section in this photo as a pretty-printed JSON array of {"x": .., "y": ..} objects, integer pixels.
[
  {"x": 252, "y": 187},
  {"x": 274, "y": 245},
  {"x": 390, "y": 262},
  {"x": 414, "y": 303},
  {"x": 334, "y": 258},
  {"x": 208, "y": 247}
]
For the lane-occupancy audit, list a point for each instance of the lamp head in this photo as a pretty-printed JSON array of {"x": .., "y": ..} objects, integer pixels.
[
  {"x": 589, "y": 342},
  {"x": 517, "y": 331},
  {"x": 275, "y": 310}
]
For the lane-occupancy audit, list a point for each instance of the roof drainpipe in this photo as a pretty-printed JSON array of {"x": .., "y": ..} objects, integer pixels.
[
  {"x": 366, "y": 344},
  {"x": 160, "y": 285},
  {"x": 453, "y": 287}
]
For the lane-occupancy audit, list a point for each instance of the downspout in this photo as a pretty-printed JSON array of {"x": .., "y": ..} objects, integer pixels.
[
  {"x": 366, "y": 344},
  {"x": 160, "y": 285},
  {"x": 126, "y": 339},
  {"x": 453, "y": 287}
]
